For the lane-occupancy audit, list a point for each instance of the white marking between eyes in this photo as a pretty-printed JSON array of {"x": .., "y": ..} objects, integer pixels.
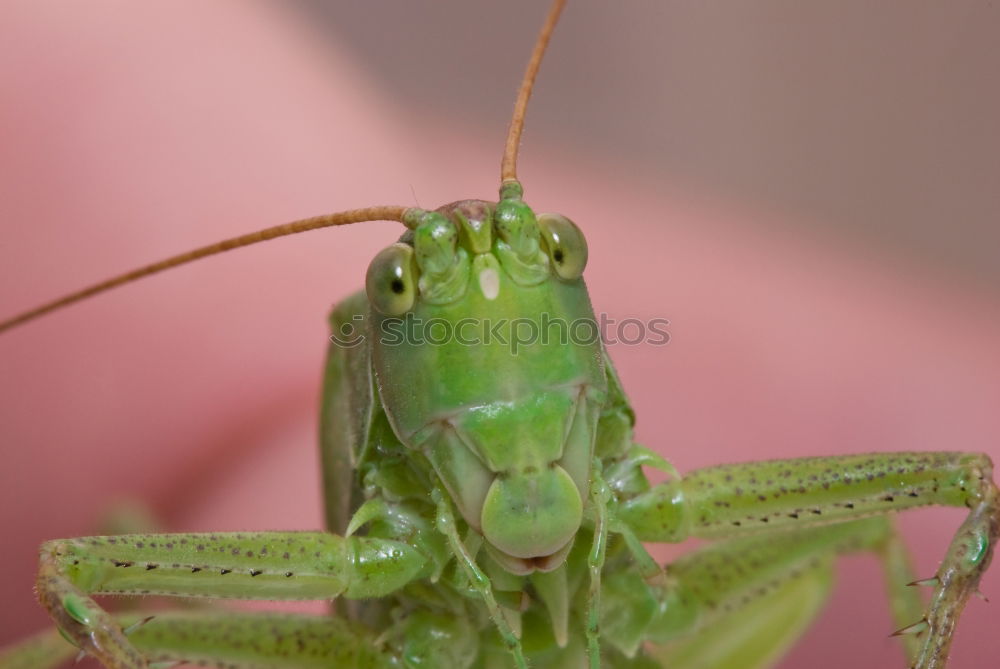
[{"x": 489, "y": 283}]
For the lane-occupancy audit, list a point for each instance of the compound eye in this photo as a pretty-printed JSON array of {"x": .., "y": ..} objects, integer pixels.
[
  {"x": 391, "y": 280},
  {"x": 565, "y": 244}
]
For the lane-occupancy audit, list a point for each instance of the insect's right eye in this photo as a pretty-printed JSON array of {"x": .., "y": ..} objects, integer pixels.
[
  {"x": 565, "y": 244},
  {"x": 391, "y": 280}
]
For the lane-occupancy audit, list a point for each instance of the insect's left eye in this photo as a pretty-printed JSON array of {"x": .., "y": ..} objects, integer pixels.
[
  {"x": 391, "y": 280},
  {"x": 565, "y": 244}
]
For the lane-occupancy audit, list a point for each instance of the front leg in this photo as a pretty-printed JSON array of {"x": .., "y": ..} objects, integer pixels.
[
  {"x": 730, "y": 500},
  {"x": 248, "y": 565}
]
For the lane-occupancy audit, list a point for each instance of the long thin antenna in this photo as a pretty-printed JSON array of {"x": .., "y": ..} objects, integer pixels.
[
  {"x": 508, "y": 167},
  {"x": 401, "y": 214}
]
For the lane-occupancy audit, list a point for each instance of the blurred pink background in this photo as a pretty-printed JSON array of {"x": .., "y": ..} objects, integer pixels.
[{"x": 133, "y": 132}]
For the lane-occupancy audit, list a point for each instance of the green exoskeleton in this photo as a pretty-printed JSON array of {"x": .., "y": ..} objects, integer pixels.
[{"x": 487, "y": 507}]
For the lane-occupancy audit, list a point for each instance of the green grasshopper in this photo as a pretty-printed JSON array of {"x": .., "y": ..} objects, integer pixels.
[{"x": 500, "y": 517}]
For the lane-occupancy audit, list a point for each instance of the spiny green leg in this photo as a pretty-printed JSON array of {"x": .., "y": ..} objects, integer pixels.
[
  {"x": 231, "y": 639},
  {"x": 762, "y": 590},
  {"x": 254, "y": 641},
  {"x": 600, "y": 495},
  {"x": 249, "y": 565},
  {"x": 757, "y": 634},
  {"x": 733, "y": 499},
  {"x": 479, "y": 580}
]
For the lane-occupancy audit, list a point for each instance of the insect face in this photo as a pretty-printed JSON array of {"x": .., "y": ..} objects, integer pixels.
[{"x": 495, "y": 371}]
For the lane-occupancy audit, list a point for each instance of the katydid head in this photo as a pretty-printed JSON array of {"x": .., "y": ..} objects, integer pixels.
[{"x": 477, "y": 287}]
